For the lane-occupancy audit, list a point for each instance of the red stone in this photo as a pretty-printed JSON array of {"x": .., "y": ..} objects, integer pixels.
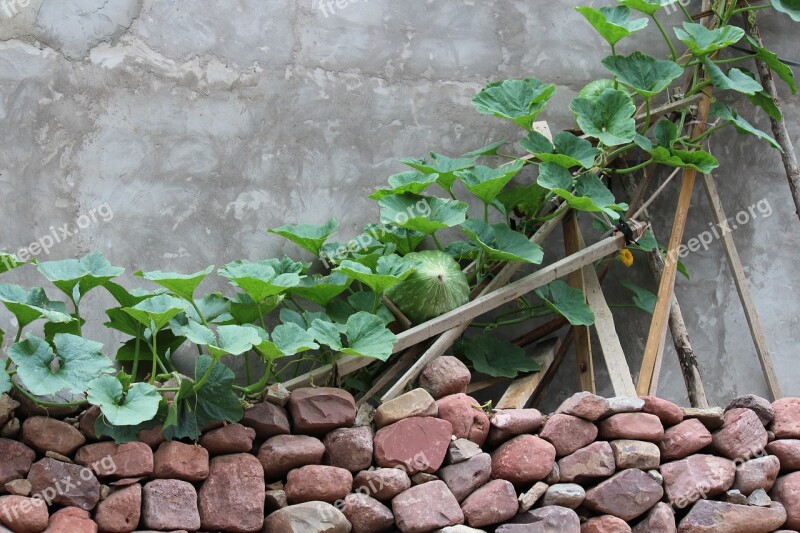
[
  {"x": 170, "y": 504},
  {"x": 742, "y": 435},
  {"x": 660, "y": 519},
  {"x": 381, "y": 483},
  {"x": 232, "y": 498},
  {"x": 627, "y": 495},
  {"x": 176, "y": 460},
  {"x": 426, "y": 507},
  {"x": 568, "y": 433},
  {"x": 106, "y": 459},
  {"x": 45, "y": 434},
  {"x": 524, "y": 459},
  {"x": 121, "y": 510},
  {"x": 23, "y": 515},
  {"x": 787, "y": 492},
  {"x": 16, "y": 460},
  {"x": 585, "y": 405},
  {"x": 282, "y": 453},
  {"x": 786, "y": 421},
  {"x": 466, "y": 416},
  {"x": 688, "y": 437},
  {"x": 592, "y": 462},
  {"x": 492, "y": 504},
  {"x": 605, "y": 524},
  {"x": 755, "y": 474},
  {"x": 349, "y": 448},
  {"x": 697, "y": 477},
  {"x": 788, "y": 453},
  {"x": 669, "y": 413},
  {"x": 367, "y": 515},
  {"x": 71, "y": 520},
  {"x": 417, "y": 444},
  {"x": 65, "y": 484},
  {"x": 316, "y": 411},
  {"x": 466, "y": 477},
  {"x": 721, "y": 517},
  {"x": 318, "y": 483},
  {"x": 633, "y": 426},
  {"x": 231, "y": 438},
  {"x": 444, "y": 376},
  {"x": 267, "y": 419}
]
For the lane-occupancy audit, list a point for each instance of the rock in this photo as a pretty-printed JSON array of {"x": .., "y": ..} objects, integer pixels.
[
  {"x": 697, "y": 477},
  {"x": 735, "y": 497},
  {"x": 721, "y": 517},
  {"x": 742, "y": 435},
  {"x": 655, "y": 474},
  {"x": 684, "y": 439},
  {"x": 550, "y": 519},
  {"x": 624, "y": 404},
  {"x": 605, "y": 524},
  {"x": 274, "y": 500},
  {"x": 170, "y": 504},
  {"x": 786, "y": 419},
  {"x": 466, "y": 416},
  {"x": 267, "y": 420},
  {"x": 59, "y": 457},
  {"x": 365, "y": 415},
  {"x": 318, "y": 483},
  {"x": 87, "y": 421},
  {"x": 568, "y": 433},
  {"x": 459, "y": 529},
  {"x": 627, "y": 495},
  {"x": 106, "y": 459},
  {"x": 528, "y": 499},
  {"x": 121, "y": 511},
  {"x": 592, "y": 462},
  {"x": 366, "y": 514},
  {"x": 7, "y": 406},
  {"x": 710, "y": 417},
  {"x": 492, "y": 504},
  {"x": 787, "y": 492},
  {"x": 316, "y": 411},
  {"x": 282, "y": 453},
  {"x": 666, "y": 411},
  {"x": 568, "y": 495},
  {"x": 444, "y": 376},
  {"x": 585, "y": 405},
  {"x": 11, "y": 429},
  {"x": 71, "y": 520},
  {"x": 65, "y": 484},
  {"x": 316, "y": 517},
  {"x": 506, "y": 423},
  {"x": 382, "y": 483},
  {"x": 278, "y": 395},
  {"x": 48, "y": 434},
  {"x": 422, "y": 477},
  {"x": 461, "y": 450},
  {"x": 788, "y": 453},
  {"x": 232, "y": 498},
  {"x": 349, "y": 448},
  {"x": 426, "y": 507},
  {"x": 417, "y": 402},
  {"x": 466, "y": 477},
  {"x": 633, "y": 426},
  {"x": 635, "y": 454},
  {"x": 554, "y": 476},
  {"x": 176, "y": 460},
  {"x": 153, "y": 437},
  {"x": 416, "y": 444},
  {"x": 17, "y": 460},
  {"x": 232, "y": 438},
  {"x": 660, "y": 519},
  {"x": 18, "y": 487},
  {"x": 759, "y": 498},
  {"x": 757, "y": 474},
  {"x": 23, "y": 515},
  {"x": 523, "y": 459},
  {"x": 760, "y": 406}
]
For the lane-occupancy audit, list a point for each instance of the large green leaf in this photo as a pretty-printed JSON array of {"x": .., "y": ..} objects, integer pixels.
[
  {"x": 424, "y": 214},
  {"x": 411, "y": 181},
  {"x": 701, "y": 40},
  {"x": 76, "y": 277},
  {"x": 231, "y": 339},
  {"x": 725, "y": 112},
  {"x": 292, "y": 339},
  {"x": 646, "y": 75},
  {"x": 648, "y": 7},
  {"x": 158, "y": 310},
  {"x": 9, "y": 261},
  {"x": 642, "y": 298},
  {"x": 536, "y": 143},
  {"x": 608, "y": 118},
  {"x": 167, "y": 343},
  {"x": 780, "y": 68},
  {"x": 566, "y": 149},
  {"x": 74, "y": 362},
  {"x": 182, "y": 285},
  {"x": 666, "y": 133},
  {"x": 259, "y": 280},
  {"x": 391, "y": 270},
  {"x": 5, "y": 381},
  {"x": 734, "y": 80},
  {"x": 32, "y": 305},
  {"x": 790, "y": 7},
  {"x": 327, "y": 333},
  {"x": 590, "y": 194},
  {"x": 525, "y": 200},
  {"x": 595, "y": 88},
  {"x": 486, "y": 183},
  {"x": 322, "y": 289},
  {"x": 519, "y": 101},
  {"x": 368, "y": 336},
  {"x": 489, "y": 149},
  {"x": 139, "y": 404},
  {"x": 699, "y": 160},
  {"x": 554, "y": 176},
  {"x": 406, "y": 240},
  {"x": 498, "y": 358},
  {"x": 129, "y": 298},
  {"x": 501, "y": 243},
  {"x": 567, "y": 301},
  {"x": 340, "y": 310},
  {"x": 443, "y": 166},
  {"x": 612, "y": 23},
  {"x": 307, "y": 236}
]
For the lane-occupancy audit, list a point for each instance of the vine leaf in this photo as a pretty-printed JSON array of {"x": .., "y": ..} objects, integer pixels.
[
  {"x": 519, "y": 101},
  {"x": 702, "y": 41},
  {"x": 259, "y": 280},
  {"x": 5, "y": 380},
  {"x": 424, "y": 214},
  {"x": 32, "y": 305},
  {"x": 157, "y": 311},
  {"x": 526, "y": 200},
  {"x": 648, "y": 7},
  {"x": 699, "y": 160},
  {"x": 769, "y": 57},
  {"x": 612, "y": 23},
  {"x": 291, "y": 339},
  {"x": 9, "y": 261},
  {"x": 411, "y": 181},
  {"x": 231, "y": 339},
  {"x": 498, "y": 358},
  {"x": 501, "y": 243},
  {"x": 595, "y": 88},
  {"x": 646, "y": 75},
  {"x": 734, "y": 80},
  {"x": 566, "y": 149},
  {"x": 327, "y": 333},
  {"x": 486, "y": 183},
  {"x": 553, "y": 176},
  {"x": 76, "y": 277},
  {"x": 666, "y": 133},
  {"x": 183, "y": 285},
  {"x": 139, "y": 404},
  {"x": 368, "y": 336},
  {"x": 536, "y": 143},
  {"x": 406, "y": 240},
  {"x": 608, "y": 118},
  {"x": 789, "y": 7},
  {"x": 567, "y": 301},
  {"x": 308, "y": 236},
  {"x": 642, "y": 298},
  {"x": 390, "y": 270},
  {"x": 725, "y": 112},
  {"x": 590, "y": 195},
  {"x": 322, "y": 289},
  {"x": 489, "y": 149},
  {"x": 441, "y": 165}
]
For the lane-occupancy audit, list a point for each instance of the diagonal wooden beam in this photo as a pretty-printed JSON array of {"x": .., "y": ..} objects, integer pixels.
[{"x": 521, "y": 390}]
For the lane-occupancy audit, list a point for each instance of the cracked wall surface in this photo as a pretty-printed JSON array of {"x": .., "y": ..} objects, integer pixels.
[{"x": 202, "y": 123}]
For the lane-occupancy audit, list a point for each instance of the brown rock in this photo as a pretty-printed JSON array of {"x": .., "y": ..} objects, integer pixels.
[
  {"x": 426, "y": 507},
  {"x": 16, "y": 460},
  {"x": 685, "y": 439},
  {"x": 788, "y": 453},
  {"x": 492, "y": 504},
  {"x": 349, "y": 448},
  {"x": 757, "y": 404},
  {"x": 697, "y": 477},
  {"x": 106, "y": 459},
  {"x": 757, "y": 474},
  {"x": 278, "y": 395},
  {"x": 605, "y": 524},
  {"x": 282, "y": 453},
  {"x": 23, "y": 515},
  {"x": 65, "y": 484},
  {"x": 71, "y": 520},
  {"x": 11, "y": 430},
  {"x": 666, "y": 411},
  {"x": 786, "y": 421},
  {"x": 660, "y": 519},
  {"x": 636, "y": 454},
  {"x": 318, "y": 483},
  {"x": 176, "y": 460},
  {"x": 312, "y": 516},
  {"x": 417, "y": 444},
  {"x": 153, "y": 437},
  {"x": 569, "y": 495},
  {"x": 632, "y": 426},
  {"x": 170, "y": 504},
  {"x": 549, "y": 519},
  {"x": 367, "y": 515},
  {"x": 444, "y": 376},
  {"x": 592, "y": 462},
  {"x": 742, "y": 435},
  {"x": 48, "y": 434},
  {"x": 267, "y": 420},
  {"x": 627, "y": 495},
  {"x": 87, "y": 422},
  {"x": 624, "y": 404},
  {"x": 232, "y": 498},
  {"x": 121, "y": 511},
  {"x": 7, "y": 406},
  {"x": 710, "y": 417},
  {"x": 529, "y": 498},
  {"x": 523, "y": 459},
  {"x": 466, "y": 477},
  {"x": 18, "y": 487},
  {"x": 466, "y": 416},
  {"x": 568, "y": 433},
  {"x": 721, "y": 517},
  {"x": 232, "y": 438},
  {"x": 585, "y": 405},
  {"x": 382, "y": 483},
  {"x": 316, "y": 411},
  {"x": 517, "y": 421},
  {"x": 417, "y": 402},
  {"x": 461, "y": 450},
  {"x": 787, "y": 492},
  {"x": 274, "y": 500}
]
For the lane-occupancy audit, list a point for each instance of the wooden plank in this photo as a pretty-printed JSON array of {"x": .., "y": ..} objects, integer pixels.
[
  {"x": 405, "y": 360},
  {"x": 743, "y": 288},
  {"x": 549, "y": 375},
  {"x": 573, "y": 243},
  {"x": 520, "y": 391}
]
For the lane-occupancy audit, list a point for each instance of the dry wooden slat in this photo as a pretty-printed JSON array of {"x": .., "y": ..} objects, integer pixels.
[
  {"x": 405, "y": 360},
  {"x": 743, "y": 288},
  {"x": 485, "y": 384},
  {"x": 520, "y": 391}
]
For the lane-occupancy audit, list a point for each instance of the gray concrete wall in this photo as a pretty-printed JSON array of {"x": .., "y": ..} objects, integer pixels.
[{"x": 201, "y": 123}]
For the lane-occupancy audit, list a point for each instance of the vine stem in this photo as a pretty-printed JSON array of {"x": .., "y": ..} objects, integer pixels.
[
  {"x": 632, "y": 169},
  {"x": 436, "y": 241},
  {"x": 155, "y": 354},
  {"x": 42, "y": 403},
  {"x": 136, "y": 352},
  {"x": 672, "y": 50}
]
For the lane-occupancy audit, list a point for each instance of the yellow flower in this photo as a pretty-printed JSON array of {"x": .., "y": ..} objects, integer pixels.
[{"x": 625, "y": 257}]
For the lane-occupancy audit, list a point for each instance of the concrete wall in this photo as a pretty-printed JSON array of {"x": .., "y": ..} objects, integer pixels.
[{"x": 201, "y": 123}]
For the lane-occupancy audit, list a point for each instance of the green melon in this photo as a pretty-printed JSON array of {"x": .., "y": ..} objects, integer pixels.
[{"x": 437, "y": 286}]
